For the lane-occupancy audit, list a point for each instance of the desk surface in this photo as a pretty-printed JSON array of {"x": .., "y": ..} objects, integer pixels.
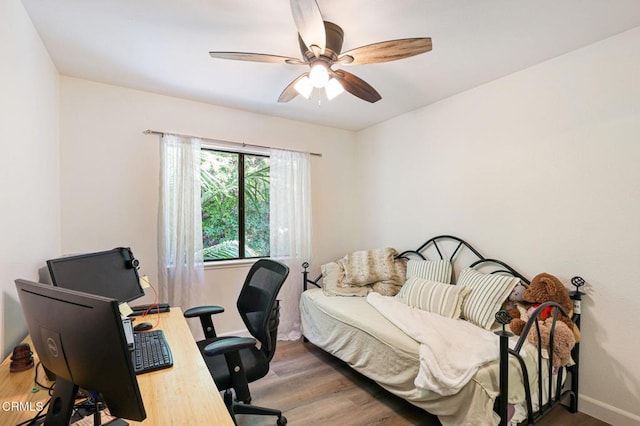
[{"x": 177, "y": 395}]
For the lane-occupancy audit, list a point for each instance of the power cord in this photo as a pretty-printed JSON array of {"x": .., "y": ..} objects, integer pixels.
[
  {"x": 35, "y": 379},
  {"x": 38, "y": 416},
  {"x": 153, "y": 306}
]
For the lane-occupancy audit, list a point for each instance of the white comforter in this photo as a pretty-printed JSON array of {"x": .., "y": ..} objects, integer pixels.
[{"x": 451, "y": 351}]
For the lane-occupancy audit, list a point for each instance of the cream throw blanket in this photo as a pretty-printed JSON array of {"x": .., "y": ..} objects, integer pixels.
[
  {"x": 369, "y": 266},
  {"x": 451, "y": 351}
]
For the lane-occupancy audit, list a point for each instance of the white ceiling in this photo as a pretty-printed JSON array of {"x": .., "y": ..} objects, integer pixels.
[{"x": 162, "y": 46}]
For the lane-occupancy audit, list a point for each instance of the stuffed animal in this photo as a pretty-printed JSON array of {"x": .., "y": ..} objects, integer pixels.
[
  {"x": 544, "y": 288},
  {"x": 515, "y": 296},
  {"x": 563, "y": 340}
]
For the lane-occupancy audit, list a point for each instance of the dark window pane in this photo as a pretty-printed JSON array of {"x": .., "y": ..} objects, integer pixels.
[
  {"x": 256, "y": 201},
  {"x": 219, "y": 190}
]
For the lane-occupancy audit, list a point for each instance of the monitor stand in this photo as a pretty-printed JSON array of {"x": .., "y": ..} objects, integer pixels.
[{"x": 61, "y": 404}]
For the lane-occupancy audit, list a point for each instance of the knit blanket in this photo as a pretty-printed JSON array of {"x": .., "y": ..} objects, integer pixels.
[{"x": 370, "y": 266}]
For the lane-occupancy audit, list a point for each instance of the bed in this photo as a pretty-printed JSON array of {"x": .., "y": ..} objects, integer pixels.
[{"x": 365, "y": 333}]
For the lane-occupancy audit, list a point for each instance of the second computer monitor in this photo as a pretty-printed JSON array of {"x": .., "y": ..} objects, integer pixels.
[{"x": 111, "y": 273}]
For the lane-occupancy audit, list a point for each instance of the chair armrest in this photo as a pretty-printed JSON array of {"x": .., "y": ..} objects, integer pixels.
[
  {"x": 205, "y": 313},
  {"x": 230, "y": 344},
  {"x": 203, "y": 310}
]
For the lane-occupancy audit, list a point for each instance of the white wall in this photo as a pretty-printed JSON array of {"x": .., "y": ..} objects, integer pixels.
[
  {"x": 29, "y": 213},
  {"x": 110, "y": 174},
  {"x": 539, "y": 169}
]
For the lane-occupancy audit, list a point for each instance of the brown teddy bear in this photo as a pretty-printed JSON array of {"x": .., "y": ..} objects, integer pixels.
[
  {"x": 544, "y": 288},
  {"x": 563, "y": 340}
]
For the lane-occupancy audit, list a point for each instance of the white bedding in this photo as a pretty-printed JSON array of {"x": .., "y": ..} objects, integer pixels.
[
  {"x": 354, "y": 331},
  {"x": 451, "y": 351}
]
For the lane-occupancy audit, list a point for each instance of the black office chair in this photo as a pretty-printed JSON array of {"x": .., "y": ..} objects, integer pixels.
[{"x": 234, "y": 362}]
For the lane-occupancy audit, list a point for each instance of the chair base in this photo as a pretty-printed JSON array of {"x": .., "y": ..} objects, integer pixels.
[{"x": 242, "y": 408}]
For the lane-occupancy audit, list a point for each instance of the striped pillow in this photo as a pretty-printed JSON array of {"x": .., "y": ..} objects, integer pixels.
[
  {"x": 434, "y": 270},
  {"x": 432, "y": 296},
  {"x": 488, "y": 293}
]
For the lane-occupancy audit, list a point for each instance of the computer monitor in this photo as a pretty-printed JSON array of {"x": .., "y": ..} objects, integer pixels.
[
  {"x": 112, "y": 273},
  {"x": 79, "y": 337}
]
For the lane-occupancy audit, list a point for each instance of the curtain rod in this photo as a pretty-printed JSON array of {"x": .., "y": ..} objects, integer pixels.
[{"x": 155, "y": 132}]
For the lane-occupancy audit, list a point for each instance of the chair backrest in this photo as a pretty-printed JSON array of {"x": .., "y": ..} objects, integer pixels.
[{"x": 257, "y": 301}]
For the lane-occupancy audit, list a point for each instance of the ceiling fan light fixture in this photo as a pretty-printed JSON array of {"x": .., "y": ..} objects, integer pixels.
[
  {"x": 304, "y": 87},
  {"x": 319, "y": 75},
  {"x": 333, "y": 88}
]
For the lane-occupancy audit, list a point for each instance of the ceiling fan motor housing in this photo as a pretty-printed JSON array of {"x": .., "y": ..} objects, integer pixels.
[{"x": 334, "y": 39}]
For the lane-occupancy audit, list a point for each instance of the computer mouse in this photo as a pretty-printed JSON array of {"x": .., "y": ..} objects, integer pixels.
[{"x": 143, "y": 326}]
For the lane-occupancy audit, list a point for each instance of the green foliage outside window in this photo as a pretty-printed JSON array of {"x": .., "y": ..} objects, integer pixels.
[{"x": 224, "y": 222}]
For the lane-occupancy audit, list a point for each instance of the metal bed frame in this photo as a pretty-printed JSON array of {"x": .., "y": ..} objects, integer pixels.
[{"x": 503, "y": 318}]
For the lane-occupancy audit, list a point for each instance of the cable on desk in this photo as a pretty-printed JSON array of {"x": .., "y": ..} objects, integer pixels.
[
  {"x": 38, "y": 416},
  {"x": 35, "y": 379},
  {"x": 153, "y": 306}
]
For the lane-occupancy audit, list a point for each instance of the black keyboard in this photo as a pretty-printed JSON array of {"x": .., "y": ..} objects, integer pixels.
[{"x": 151, "y": 352}]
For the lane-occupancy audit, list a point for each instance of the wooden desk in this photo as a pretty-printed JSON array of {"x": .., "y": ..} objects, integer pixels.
[{"x": 182, "y": 394}]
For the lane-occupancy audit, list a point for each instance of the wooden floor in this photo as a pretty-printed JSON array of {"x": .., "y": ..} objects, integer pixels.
[{"x": 312, "y": 387}]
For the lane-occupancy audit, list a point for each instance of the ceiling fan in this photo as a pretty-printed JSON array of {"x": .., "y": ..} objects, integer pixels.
[{"x": 321, "y": 44}]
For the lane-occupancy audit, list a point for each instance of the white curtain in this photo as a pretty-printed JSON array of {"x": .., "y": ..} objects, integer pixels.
[
  {"x": 290, "y": 227},
  {"x": 180, "y": 257}
]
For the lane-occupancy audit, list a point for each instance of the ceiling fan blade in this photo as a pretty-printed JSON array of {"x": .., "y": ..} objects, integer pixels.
[
  {"x": 356, "y": 86},
  {"x": 310, "y": 25},
  {"x": 290, "y": 91},
  {"x": 386, "y": 51},
  {"x": 257, "y": 57}
]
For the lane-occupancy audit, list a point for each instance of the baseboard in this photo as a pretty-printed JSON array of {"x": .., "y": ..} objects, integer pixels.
[{"x": 607, "y": 413}]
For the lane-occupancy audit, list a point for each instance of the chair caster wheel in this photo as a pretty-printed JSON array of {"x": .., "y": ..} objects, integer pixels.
[{"x": 282, "y": 421}]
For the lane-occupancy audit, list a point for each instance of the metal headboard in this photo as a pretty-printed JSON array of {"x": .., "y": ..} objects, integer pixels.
[
  {"x": 436, "y": 244},
  {"x": 507, "y": 269}
]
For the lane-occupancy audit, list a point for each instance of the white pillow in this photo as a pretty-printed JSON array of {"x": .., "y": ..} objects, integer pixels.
[
  {"x": 434, "y": 270},
  {"x": 431, "y": 296},
  {"x": 488, "y": 293}
]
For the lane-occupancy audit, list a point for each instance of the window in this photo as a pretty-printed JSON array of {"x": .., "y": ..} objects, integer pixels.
[{"x": 235, "y": 205}]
